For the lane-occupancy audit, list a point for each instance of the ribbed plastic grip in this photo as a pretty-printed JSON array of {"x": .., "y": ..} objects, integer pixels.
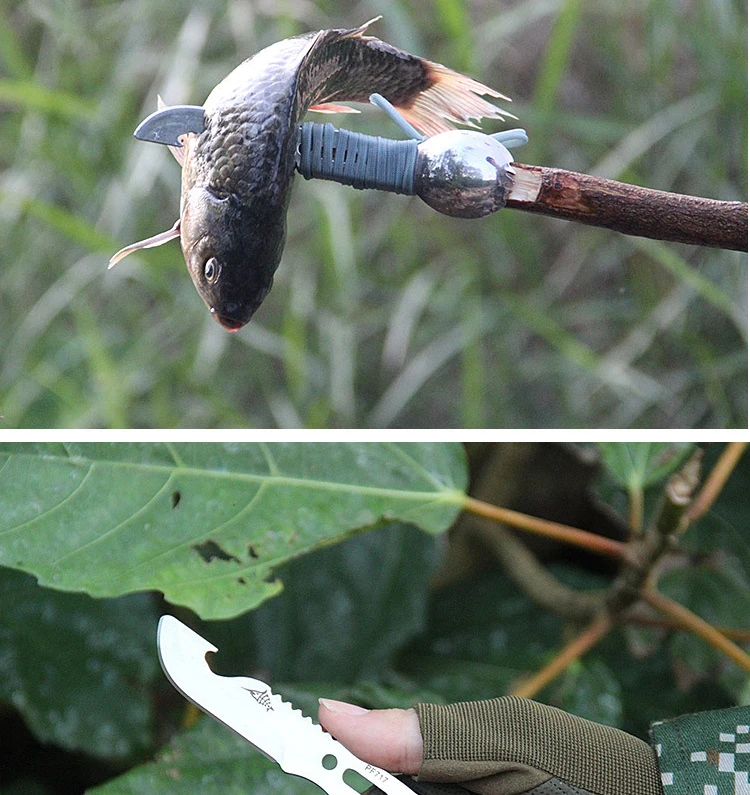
[{"x": 362, "y": 161}]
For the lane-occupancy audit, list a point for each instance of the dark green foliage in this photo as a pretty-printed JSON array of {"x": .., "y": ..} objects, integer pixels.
[{"x": 358, "y": 620}]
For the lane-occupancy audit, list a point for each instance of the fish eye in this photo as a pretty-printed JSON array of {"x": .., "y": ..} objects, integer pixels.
[{"x": 211, "y": 270}]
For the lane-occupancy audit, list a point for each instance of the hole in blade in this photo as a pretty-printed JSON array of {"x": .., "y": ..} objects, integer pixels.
[
  {"x": 329, "y": 761},
  {"x": 357, "y": 782}
]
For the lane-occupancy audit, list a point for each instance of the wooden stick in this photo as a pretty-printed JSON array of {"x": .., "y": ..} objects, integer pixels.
[
  {"x": 532, "y": 524},
  {"x": 711, "y": 489},
  {"x": 590, "y": 636},
  {"x": 688, "y": 620},
  {"x": 740, "y": 635},
  {"x": 629, "y": 208}
]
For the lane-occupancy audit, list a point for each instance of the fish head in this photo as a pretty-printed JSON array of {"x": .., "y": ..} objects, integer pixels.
[{"x": 231, "y": 257}]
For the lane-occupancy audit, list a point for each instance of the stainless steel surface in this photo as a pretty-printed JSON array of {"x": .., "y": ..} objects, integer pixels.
[
  {"x": 249, "y": 708},
  {"x": 463, "y": 173},
  {"x": 165, "y": 126}
]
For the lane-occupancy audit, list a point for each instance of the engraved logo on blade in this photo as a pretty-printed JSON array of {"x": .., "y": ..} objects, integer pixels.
[{"x": 262, "y": 697}]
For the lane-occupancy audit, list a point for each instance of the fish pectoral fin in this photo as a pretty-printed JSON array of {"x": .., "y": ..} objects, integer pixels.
[
  {"x": 332, "y": 107},
  {"x": 149, "y": 242}
]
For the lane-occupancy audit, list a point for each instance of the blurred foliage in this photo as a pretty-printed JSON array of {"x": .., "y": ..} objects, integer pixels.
[
  {"x": 384, "y": 313},
  {"x": 361, "y": 620}
]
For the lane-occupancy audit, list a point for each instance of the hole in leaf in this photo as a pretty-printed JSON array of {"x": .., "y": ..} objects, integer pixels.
[
  {"x": 176, "y": 497},
  {"x": 357, "y": 782},
  {"x": 209, "y": 550},
  {"x": 329, "y": 761},
  {"x": 252, "y": 551}
]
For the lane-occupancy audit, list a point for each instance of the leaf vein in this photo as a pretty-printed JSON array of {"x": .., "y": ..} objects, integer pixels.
[
  {"x": 52, "y": 508},
  {"x": 108, "y": 533}
]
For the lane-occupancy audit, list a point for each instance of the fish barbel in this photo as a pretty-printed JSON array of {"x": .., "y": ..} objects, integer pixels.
[{"x": 237, "y": 173}]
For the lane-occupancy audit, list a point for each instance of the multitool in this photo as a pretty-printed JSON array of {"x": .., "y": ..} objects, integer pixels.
[{"x": 280, "y": 732}]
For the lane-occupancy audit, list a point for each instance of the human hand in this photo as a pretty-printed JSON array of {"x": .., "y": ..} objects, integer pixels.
[
  {"x": 387, "y": 738},
  {"x": 504, "y": 746}
]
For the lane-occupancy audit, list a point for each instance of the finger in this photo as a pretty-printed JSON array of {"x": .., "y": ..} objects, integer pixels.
[{"x": 387, "y": 738}]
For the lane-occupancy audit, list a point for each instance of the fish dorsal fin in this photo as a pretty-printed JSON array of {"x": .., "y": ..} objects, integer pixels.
[
  {"x": 360, "y": 31},
  {"x": 347, "y": 66},
  {"x": 149, "y": 242}
]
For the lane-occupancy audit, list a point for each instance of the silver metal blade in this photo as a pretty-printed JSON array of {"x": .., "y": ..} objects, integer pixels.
[
  {"x": 273, "y": 726},
  {"x": 165, "y": 126}
]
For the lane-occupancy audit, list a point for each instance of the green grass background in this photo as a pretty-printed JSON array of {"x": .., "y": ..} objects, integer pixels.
[{"x": 384, "y": 313}]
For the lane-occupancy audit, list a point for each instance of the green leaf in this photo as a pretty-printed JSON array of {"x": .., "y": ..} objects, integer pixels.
[
  {"x": 591, "y": 690},
  {"x": 344, "y": 613},
  {"x": 637, "y": 465},
  {"x": 717, "y": 591},
  {"x": 211, "y": 760},
  {"x": 76, "y": 668},
  {"x": 483, "y": 635},
  {"x": 649, "y": 687},
  {"x": 208, "y": 524}
]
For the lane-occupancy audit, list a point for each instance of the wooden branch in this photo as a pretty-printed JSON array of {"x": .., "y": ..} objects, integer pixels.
[
  {"x": 740, "y": 635},
  {"x": 711, "y": 489},
  {"x": 530, "y": 575},
  {"x": 629, "y": 209},
  {"x": 688, "y": 620},
  {"x": 532, "y": 524},
  {"x": 644, "y": 553},
  {"x": 590, "y": 636}
]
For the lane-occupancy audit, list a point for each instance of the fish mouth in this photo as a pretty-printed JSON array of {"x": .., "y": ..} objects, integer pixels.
[{"x": 227, "y": 321}]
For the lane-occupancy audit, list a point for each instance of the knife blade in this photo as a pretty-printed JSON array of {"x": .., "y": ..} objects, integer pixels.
[{"x": 250, "y": 708}]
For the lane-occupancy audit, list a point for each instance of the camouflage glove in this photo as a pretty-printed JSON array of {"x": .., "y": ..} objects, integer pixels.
[{"x": 510, "y": 746}]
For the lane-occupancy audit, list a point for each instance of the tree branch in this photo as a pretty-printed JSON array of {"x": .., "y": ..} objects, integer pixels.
[
  {"x": 687, "y": 619},
  {"x": 532, "y": 524},
  {"x": 534, "y": 579},
  {"x": 635, "y": 517},
  {"x": 740, "y": 635},
  {"x": 629, "y": 208},
  {"x": 711, "y": 489},
  {"x": 645, "y": 552},
  {"x": 590, "y": 636}
]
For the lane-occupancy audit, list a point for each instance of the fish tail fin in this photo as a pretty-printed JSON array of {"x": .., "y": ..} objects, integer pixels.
[{"x": 451, "y": 98}]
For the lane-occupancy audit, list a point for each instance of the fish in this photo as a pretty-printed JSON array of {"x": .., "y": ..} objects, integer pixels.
[{"x": 237, "y": 173}]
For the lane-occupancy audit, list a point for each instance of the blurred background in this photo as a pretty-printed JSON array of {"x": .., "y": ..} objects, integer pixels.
[{"x": 384, "y": 313}]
